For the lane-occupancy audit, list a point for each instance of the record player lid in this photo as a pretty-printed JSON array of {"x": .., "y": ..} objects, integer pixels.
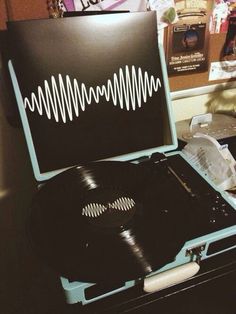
[{"x": 90, "y": 88}]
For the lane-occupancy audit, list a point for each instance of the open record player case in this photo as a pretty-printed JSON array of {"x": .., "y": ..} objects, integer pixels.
[{"x": 115, "y": 207}]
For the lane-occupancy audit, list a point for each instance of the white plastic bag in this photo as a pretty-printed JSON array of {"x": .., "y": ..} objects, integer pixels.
[{"x": 212, "y": 159}]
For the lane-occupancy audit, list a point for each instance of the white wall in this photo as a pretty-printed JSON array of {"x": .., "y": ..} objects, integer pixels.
[{"x": 224, "y": 100}]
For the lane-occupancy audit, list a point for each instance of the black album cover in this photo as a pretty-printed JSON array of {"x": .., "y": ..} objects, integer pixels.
[{"x": 91, "y": 86}]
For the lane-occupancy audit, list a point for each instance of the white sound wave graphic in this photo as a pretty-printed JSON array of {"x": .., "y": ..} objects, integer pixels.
[
  {"x": 128, "y": 89},
  {"x": 96, "y": 209}
]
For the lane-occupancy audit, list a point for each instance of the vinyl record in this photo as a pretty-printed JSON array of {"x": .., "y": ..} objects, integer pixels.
[{"x": 106, "y": 222}]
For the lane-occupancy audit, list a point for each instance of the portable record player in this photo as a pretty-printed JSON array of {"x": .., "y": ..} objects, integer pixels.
[{"x": 117, "y": 204}]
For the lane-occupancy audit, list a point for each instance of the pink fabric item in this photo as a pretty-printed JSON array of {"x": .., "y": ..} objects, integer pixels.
[{"x": 69, "y": 4}]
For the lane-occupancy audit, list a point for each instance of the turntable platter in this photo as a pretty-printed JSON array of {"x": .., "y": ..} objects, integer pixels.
[{"x": 105, "y": 222}]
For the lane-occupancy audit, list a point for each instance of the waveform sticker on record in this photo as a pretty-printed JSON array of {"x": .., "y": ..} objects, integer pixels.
[{"x": 87, "y": 93}]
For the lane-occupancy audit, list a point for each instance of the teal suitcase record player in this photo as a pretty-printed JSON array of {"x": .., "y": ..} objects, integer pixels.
[{"x": 117, "y": 204}]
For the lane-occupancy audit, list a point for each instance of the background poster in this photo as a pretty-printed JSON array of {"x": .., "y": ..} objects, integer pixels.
[{"x": 187, "y": 40}]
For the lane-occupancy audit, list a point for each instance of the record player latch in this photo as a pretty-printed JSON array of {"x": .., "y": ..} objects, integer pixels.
[{"x": 196, "y": 253}]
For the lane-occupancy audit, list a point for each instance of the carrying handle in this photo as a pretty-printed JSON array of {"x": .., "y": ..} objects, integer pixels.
[{"x": 170, "y": 277}]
